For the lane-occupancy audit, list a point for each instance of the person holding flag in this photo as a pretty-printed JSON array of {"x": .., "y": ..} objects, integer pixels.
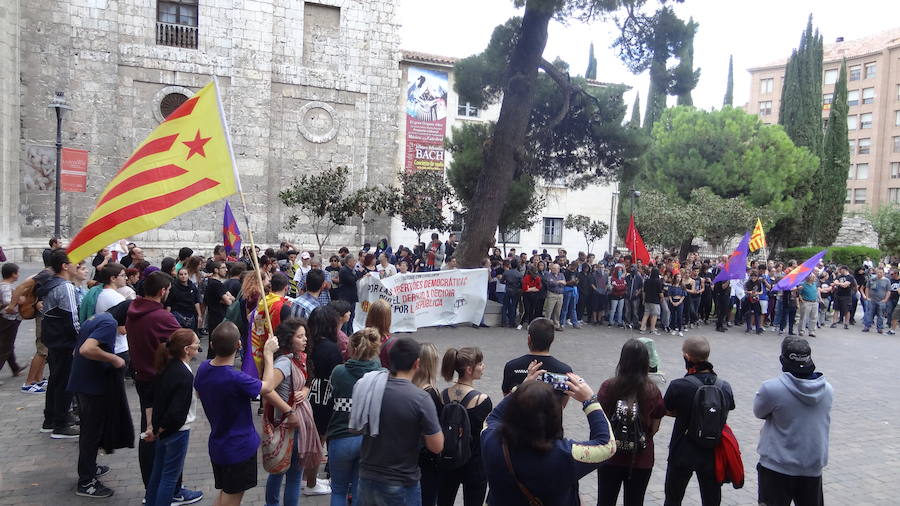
[{"x": 733, "y": 267}]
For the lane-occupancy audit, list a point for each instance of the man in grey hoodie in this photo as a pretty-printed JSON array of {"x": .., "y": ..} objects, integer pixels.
[{"x": 793, "y": 442}]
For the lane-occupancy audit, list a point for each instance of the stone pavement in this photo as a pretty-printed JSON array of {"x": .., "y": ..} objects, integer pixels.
[{"x": 865, "y": 443}]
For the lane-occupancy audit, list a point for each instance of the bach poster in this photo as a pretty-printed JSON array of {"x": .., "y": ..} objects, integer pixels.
[{"x": 426, "y": 119}]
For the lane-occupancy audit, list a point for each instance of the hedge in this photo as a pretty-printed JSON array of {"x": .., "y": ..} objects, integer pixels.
[{"x": 851, "y": 256}]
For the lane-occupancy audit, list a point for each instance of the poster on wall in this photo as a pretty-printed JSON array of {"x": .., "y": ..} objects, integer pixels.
[
  {"x": 425, "y": 299},
  {"x": 40, "y": 167},
  {"x": 426, "y": 119},
  {"x": 74, "y": 170}
]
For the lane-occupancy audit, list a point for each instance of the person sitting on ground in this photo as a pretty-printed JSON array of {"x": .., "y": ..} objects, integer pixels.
[
  {"x": 793, "y": 442},
  {"x": 526, "y": 457},
  {"x": 686, "y": 455}
]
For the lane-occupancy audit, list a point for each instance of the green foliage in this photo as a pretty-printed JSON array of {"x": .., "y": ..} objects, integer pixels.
[
  {"x": 851, "y": 256},
  {"x": 732, "y": 216},
  {"x": 830, "y": 188},
  {"x": 325, "y": 200},
  {"x": 593, "y": 230},
  {"x": 421, "y": 197},
  {"x": 732, "y": 153},
  {"x": 729, "y": 85},
  {"x": 663, "y": 220},
  {"x": 685, "y": 77},
  {"x": 591, "y": 72},
  {"x": 886, "y": 222},
  {"x": 524, "y": 203}
]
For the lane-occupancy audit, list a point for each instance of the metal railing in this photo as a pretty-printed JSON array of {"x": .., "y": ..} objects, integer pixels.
[{"x": 171, "y": 34}]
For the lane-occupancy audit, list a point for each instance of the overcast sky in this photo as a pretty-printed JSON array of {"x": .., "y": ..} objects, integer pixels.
[{"x": 755, "y": 32}]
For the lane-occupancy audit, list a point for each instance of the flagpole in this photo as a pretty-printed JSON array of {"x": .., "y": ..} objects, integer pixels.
[{"x": 237, "y": 179}]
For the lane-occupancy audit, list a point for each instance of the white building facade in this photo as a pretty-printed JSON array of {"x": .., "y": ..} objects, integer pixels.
[{"x": 596, "y": 201}]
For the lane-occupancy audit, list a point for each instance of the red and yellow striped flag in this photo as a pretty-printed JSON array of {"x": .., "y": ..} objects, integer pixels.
[
  {"x": 758, "y": 237},
  {"x": 183, "y": 164}
]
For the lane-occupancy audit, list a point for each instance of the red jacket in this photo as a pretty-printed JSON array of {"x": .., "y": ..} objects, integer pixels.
[
  {"x": 729, "y": 466},
  {"x": 530, "y": 281}
]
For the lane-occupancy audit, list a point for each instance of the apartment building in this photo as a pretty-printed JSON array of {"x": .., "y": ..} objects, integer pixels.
[{"x": 873, "y": 120}]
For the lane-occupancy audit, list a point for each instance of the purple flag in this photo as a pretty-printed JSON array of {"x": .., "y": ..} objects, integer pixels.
[
  {"x": 230, "y": 232},
  {"x": 800, "y": 273},
  {"x": 736, "y": 266},
  {"x": 247, "y": 363}
]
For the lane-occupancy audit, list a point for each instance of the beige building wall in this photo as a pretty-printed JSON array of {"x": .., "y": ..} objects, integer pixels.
[{"x": 874, "y": 176}]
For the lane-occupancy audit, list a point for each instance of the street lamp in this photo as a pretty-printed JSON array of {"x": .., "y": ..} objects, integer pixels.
[
  {"x": 613, "y": 216},
  {"x": 634, "y": 194},
  {"x": 59, "y": 104}
]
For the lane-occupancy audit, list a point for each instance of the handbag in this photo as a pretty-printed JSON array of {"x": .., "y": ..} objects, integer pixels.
[
  {"x": 278, "y": 440},
  {"x": 532, "y": 500}
]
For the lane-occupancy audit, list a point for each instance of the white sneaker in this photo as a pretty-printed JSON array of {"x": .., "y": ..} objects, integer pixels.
[
  {"x": 519, "y": 327},
  {"x": 321, "y": 488},
  {"x": 680, "y": 334}
]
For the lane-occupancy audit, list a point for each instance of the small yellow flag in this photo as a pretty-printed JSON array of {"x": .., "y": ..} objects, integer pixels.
[{"x": 758, "y": 237}]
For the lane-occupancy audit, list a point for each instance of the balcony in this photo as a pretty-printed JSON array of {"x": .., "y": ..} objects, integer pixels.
[{"x": 171, "y": 34}]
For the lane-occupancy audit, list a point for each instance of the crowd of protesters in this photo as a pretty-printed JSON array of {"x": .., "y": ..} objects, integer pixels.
[{"x": 282, "y": 336}]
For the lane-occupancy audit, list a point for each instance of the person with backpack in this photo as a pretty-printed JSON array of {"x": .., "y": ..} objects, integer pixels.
[
  {"x": 793, "y": 442},
  {"x": 634, "y": 407},
  {"x": 462, "y": 418},
  {"x": 343, "y": 445},
  {"x": 700, "y": 403}
]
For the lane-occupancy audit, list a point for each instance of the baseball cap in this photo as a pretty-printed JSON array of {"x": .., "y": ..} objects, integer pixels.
[
  {"x": 796, "y": 356},
  {"x": 304, "y": 255}
]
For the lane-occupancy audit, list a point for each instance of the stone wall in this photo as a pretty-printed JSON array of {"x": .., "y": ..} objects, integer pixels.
[
  {"x": 856, "y": 231},
  {"x": 9, "y": 121},
  {"x": 305, "y": 86}
]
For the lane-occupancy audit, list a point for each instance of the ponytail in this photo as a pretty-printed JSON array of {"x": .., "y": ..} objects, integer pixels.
[
  {"x": 173, "y": 349},
  {"x": 448, "y": 364},
  {"x": 459, "y": 360}
]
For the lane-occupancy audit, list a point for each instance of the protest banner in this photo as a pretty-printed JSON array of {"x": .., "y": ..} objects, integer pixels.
[{"x": 425, "y": 299}]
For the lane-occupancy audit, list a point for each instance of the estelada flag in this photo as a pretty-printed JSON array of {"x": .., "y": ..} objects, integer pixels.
[
  {"x": 758, "y": 237},
  {"x": 186, "y": 162},
  {"x": 635, "y": 243},
  {"x": 230, "y": 232}
]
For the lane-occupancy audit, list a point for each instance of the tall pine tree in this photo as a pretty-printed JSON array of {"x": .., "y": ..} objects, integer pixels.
[
  {"x": 636, "y": 112},
  {"x": 591, "y": 72},
  {"x": 685, "y": 78},
  {"x": 830, "y": 189},
  {"x": 729, "y": 86},
  {"x": 800, "y": 113}
]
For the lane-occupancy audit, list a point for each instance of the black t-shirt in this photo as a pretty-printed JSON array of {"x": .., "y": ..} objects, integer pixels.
[
  {"x": 515, "y": 371},
  {"x": 215, "y": 310},
  {"x": 845, "y": 292},
  {"x": 895, "y": 289},
  {"x": 652, "y": 290},
  {"x": 679, "y": 399},
  {"x": 325, "y": 357},
  {"x": 233, "y": 286}
]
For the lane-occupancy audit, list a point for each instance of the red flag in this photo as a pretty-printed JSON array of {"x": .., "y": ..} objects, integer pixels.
[{"x": 634, "y": 242}]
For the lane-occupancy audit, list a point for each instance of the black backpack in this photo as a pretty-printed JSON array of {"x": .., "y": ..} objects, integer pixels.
[
  {"x": 709, "y": 412},
  {"x": 627, "y": 429},
  {"x": 457, "y": 431}
]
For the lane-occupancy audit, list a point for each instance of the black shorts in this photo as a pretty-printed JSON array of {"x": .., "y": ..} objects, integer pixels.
[
  {"x": 843, "y": 303},
  {"x": 235, "y": 478}
]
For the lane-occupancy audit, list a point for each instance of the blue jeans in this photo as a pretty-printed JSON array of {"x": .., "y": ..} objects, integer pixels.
[
  {"x": 616, "y": 306},
  {"x": 377, "y": 493},
  {"x": 294, "y": 476},
  {"x": 874, "y": 313},
  {"x": 677, "y": 321},
  {"x": 343, "y": 462},
  {"x": 511, "y": 307},
  {"x": 570, "y": 301},
  {"x": 168, "y": 462}
]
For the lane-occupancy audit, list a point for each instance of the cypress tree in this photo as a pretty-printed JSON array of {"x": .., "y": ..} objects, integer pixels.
[
  {"x": 729, "y": 86},
  {"x": 686, "y": 78},
  {"x": 591, "y": 72},
  {"x": 831, "y": 187},
  {"x": 636, "y": 112}
]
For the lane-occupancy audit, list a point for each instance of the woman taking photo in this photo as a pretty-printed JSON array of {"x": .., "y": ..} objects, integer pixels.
[
  {"x": 628, "y": 394},
  {"x": 526, "y": 456},
  {"x": 468, "y": 366},
  {"x": 173, "y": 412},
  {"x": 289, "y": 404},
  {"x": 343, "y": 445},
  {"x": 425, "y": 378}
]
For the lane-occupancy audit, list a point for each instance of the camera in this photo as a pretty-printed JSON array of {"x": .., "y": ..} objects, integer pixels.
[{"x": 557, "y": 381}]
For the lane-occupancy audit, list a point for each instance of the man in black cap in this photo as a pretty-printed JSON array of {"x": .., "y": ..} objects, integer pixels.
[
  {"x": 97, "y": 379},
  {"x": 793, "y": 443}
]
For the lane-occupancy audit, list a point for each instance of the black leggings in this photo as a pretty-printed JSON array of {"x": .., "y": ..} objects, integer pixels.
[
  {"x": 677, "y": 479},
  {"x": 610, "y": 478},
  {"x": 473, "y": 480}
]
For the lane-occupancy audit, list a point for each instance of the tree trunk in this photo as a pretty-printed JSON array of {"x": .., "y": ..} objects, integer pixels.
[
  {"x": 509, "y": 133},
  {"x": 685, "y": 248}
]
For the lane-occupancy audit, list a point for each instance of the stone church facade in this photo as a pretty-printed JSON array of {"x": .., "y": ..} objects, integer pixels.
[{"x": 305, "y": 85}]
